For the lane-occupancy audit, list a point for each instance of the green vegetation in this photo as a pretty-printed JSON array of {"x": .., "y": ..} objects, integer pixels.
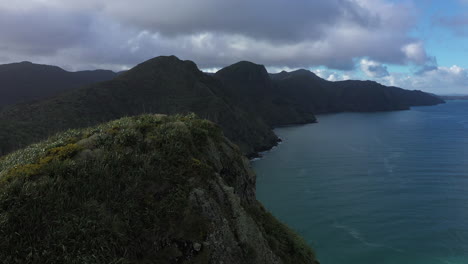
[
  {"x": 291, "y": 247},
  {"x": 145, "y": 189},
  {"x": 164, "y": 85},
  {"x": 242, "y": 98}
]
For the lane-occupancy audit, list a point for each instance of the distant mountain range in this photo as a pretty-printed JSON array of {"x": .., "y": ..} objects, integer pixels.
[
  {"x": 242, "y": 98},
  {"x": 322, "y": 96},
  {"x": 26, "y": 81}
]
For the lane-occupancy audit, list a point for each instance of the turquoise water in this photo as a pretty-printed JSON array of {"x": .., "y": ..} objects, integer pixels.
[{"x": 374, "y": 188}]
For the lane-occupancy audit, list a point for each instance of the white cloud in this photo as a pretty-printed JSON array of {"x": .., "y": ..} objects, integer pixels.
[
  {"x": 440, "y": 80},
  {"x": 373, "y": 69},
  {"x": 276, "y": 69},
  {"x": 415, "y": 52},
  {"x": 334, "y": 76},
  {"x": 437, "y": 79},
  {"x": 210, "y": 70},
  {"x": 346, "y": 77}
]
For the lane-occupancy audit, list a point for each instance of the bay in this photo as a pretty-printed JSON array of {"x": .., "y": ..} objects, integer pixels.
[{"x": 388, "y": 187}]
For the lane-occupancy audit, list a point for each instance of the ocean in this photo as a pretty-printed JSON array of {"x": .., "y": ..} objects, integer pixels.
[{"x": 374, "y": 188}]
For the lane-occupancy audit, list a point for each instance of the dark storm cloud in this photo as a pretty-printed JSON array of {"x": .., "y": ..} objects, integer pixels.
[
  {"x": 41, "y": 31},
  {"x": 278, "y": 20},
  {"x": 213, "y": 33}
]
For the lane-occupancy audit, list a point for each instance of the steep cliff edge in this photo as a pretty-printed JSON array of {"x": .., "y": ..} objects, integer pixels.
[{"x": 145, "y": 189}]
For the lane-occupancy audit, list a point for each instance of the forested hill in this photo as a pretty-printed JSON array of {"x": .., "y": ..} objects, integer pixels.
[
  {"x": 242, "y": 98},
  {"x": 144, "y": 189},
  {"x": 26, "y": 81},
  {"x": 161, "y": 85},
  {"x": 308, "y": 90}
]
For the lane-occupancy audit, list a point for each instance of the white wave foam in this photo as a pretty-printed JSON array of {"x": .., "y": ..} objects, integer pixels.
[{"x": 358, "y": 236}]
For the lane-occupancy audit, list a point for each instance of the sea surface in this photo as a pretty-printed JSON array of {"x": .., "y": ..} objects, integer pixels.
[{"x": 374, "y": 188}]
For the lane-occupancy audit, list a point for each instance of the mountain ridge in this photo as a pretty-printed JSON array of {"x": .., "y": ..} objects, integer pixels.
[
  {"x": 26, "y": 81},
  {"x": 160, "y": 85},
  {"x": 249, "y": 85},
  {"x": 325, "y": 96},
  {"x": 242, "y": 98}
]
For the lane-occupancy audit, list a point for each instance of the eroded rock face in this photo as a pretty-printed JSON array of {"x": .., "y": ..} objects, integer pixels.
[
  {"x": 148, "y": 189},
  {"x": 234, "y": 236}
]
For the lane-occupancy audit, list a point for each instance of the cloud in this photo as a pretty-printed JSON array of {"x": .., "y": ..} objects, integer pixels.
[
  {"x": 276, "y": 33},
  {"x": 373, "y": 69},
  {"x": 456, "y": 24},
  {"x": 416, "y": 53},
  {"x": 333, "y": 76},
  {"x": 441, "y": 80},
  {"x": 49, "y": 31},
  {"x": 265, "y": 19},
  {"x": 336, "y": 34},
  {"x": 434, "y": 79}
]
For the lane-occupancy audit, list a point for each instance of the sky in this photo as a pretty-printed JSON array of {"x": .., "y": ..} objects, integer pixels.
[{"x": 413, "y": 44}]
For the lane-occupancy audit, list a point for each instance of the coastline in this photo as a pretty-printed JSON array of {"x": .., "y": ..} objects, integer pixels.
[{"x": 259, "y": 152}]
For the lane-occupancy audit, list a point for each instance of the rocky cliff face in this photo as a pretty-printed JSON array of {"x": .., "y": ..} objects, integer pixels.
[{"x": 146, "y": 189}]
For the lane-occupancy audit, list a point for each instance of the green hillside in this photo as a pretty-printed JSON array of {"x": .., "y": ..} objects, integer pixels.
[
  {"x": 242, "y": 98},
  {"x": 162, "y": 85},
  {"x": 146, "y": 189}
]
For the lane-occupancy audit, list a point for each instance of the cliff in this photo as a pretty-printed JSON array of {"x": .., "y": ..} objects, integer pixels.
[{"x": 146, "y": 189}]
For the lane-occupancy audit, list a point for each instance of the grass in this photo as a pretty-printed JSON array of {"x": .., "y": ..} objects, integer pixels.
[{"x": 119, "y": 193}]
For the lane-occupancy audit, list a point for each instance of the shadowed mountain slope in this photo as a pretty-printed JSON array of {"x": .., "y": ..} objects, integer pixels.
[
  {"x": 308, "y": 90},
  {"x": 242, "y": 98},
  {"x": 249, "y": 86},
  {"x": 26, "y": 81},
  {"x": 162, "y": 85}
]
